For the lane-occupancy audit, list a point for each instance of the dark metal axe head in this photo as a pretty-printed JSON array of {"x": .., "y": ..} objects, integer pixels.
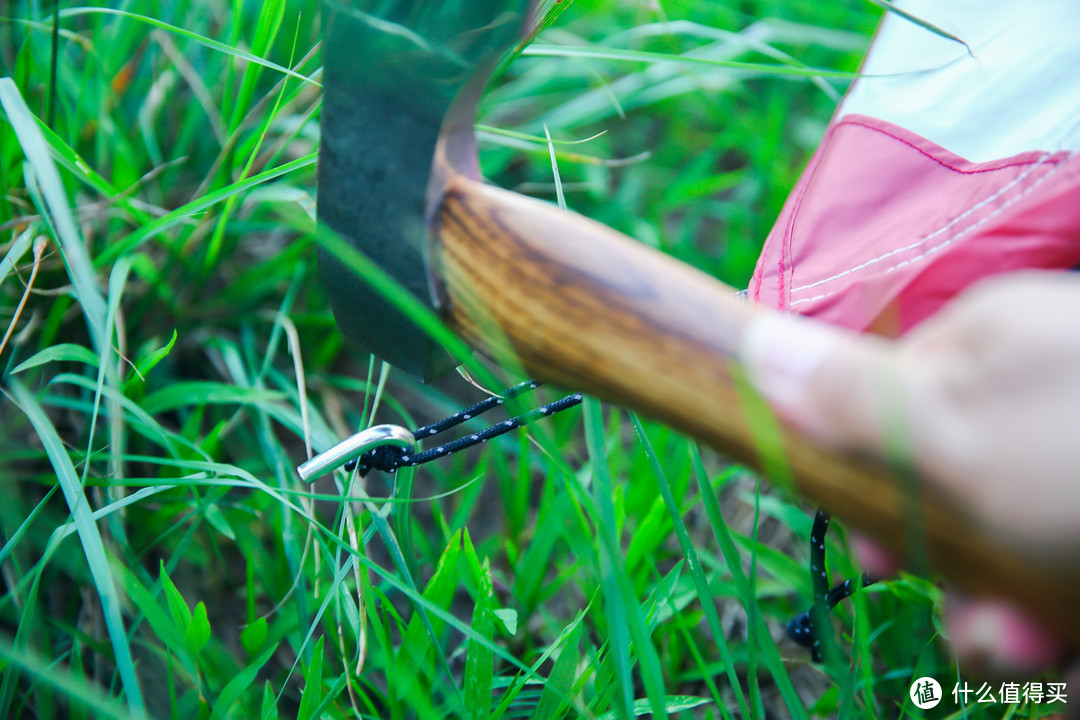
[{"x": 396, "y": 73}]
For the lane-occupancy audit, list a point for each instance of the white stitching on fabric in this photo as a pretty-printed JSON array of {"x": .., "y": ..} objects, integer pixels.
[
  {"x": 925, "y": 240},
  {"x": 974, "y": 226},
  {"x": 1007, "y": 204},
  {"x": 1018, "y": 179}
]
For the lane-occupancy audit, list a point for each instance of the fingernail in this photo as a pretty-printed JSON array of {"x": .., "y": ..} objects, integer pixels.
[{"x": 780, "y": 354}]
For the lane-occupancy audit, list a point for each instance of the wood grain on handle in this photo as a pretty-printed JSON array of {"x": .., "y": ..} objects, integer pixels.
[{"x": 583, "y": 306}]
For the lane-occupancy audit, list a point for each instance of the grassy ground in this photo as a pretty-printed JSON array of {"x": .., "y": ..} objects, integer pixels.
[{"x": 157, "y": 552}]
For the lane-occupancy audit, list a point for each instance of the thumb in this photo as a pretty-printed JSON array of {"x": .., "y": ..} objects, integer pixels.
[{"x": 839, "y": 387}]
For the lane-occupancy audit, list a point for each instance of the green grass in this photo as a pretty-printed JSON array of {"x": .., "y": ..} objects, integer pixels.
[{"x": 176, "y": 358}]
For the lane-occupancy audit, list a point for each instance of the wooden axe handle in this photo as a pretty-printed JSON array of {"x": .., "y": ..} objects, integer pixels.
[{"x": 581, "y": 305}]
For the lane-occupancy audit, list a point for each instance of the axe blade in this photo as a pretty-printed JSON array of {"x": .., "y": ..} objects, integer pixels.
[{"x": 393, "y": 70}]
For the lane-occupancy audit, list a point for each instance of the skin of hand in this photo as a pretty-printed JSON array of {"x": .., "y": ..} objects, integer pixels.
[{"x": 987, "y": 396}]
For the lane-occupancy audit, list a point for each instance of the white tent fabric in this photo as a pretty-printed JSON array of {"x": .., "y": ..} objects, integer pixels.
[{"x": 1018, "y": 89}]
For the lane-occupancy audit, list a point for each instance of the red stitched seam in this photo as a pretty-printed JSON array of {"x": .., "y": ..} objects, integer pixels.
[
  {"x": 760, "y": 275},
  {"x": 939, "y": 161},
  {"x": 789, "y": 234},
  {"x": 781, "y": 269},
  {"x": 785, "y": 240}
]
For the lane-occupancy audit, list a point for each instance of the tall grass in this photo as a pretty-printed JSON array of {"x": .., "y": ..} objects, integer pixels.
[{"x": 175, "y": 360}]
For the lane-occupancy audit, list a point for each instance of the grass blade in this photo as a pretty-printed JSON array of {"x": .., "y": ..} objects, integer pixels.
[
  {"x": 77, "y": 260},
  {"x": 622, "y": 607},
  {"x": 14, "y": 254},
  {"x": 80, "y": 693},
  {"x": 697, "y": 574},
  {"x": 196, "y": 37},
  {"x": 93, "y": 547},
  {"x": 479, "y": 664},
  {"x": 734, "y": 561},
  {"x": 175, "y": 217},
  {"x": 599, "y": 53},
  {"x": 924, "y": 24}
]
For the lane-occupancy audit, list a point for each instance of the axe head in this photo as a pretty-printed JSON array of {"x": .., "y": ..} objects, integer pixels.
[{"x": 398, "y": 74}]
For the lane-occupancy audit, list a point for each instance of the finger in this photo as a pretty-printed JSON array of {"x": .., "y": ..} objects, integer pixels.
[
  {"x": 992, "y": 639},
  {"x": 839, "y": 387}
]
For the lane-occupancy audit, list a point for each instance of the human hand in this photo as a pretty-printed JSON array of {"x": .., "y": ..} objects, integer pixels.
[{"x": 986, "y": 394}]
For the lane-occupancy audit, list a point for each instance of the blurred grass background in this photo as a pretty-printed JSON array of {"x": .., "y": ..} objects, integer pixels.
[{"x": 158, "y": 554}]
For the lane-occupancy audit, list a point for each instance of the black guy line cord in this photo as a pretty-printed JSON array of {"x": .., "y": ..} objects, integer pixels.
[
  {"x": 389, "y": 458},
  {"x": 804, "y": 629}
]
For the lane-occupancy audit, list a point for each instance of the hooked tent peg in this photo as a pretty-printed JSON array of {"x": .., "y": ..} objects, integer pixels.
[{"x": 353, "y": 447}]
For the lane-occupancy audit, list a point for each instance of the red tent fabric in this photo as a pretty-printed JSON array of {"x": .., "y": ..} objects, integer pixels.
[{"x": 940, "y": 167}]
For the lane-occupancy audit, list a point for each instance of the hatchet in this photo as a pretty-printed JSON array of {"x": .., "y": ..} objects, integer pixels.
[{"x": 577, "y": 303}]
